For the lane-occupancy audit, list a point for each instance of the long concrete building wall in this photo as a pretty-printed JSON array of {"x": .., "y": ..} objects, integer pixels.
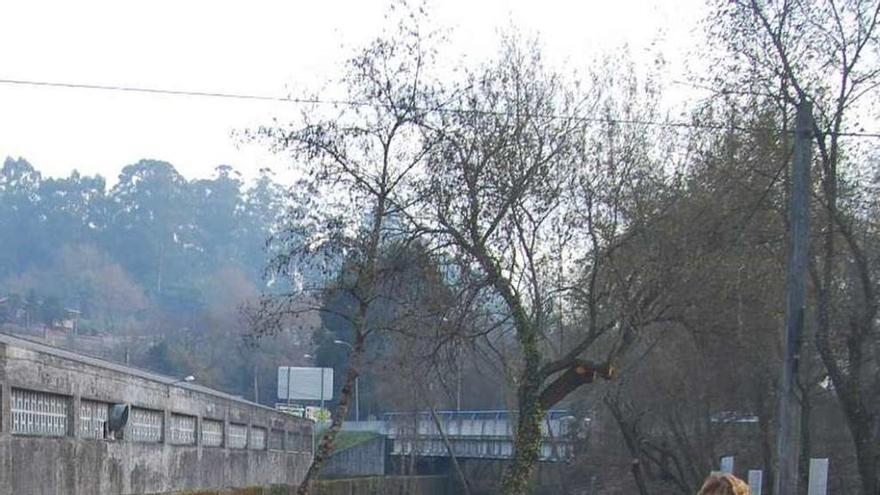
[{"x": 180, "y": 436}]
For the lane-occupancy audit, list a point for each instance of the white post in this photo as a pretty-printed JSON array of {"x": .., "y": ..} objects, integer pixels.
[
  {"x": 727, "y": 464},
  {"x": 756, "y": 481},
  {"x": 288, "y": 389},
  {"x": 357, "y": 400},
  {"x": 322, "y": 393},
  {"x": 818, "y": 483}
]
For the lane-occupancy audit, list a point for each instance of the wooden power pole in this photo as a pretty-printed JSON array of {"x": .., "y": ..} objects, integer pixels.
[{"x": 788, "y": 436}]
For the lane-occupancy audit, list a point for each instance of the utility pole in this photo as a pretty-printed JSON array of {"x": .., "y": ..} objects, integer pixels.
[
  {"x": 458, "y": 391},
  {"x": 458, "y": 378},
  {"x": 288, "y": 389},
  {"x": 357, "y": 400},
  {"x": 257, "y": 386},
  {"x": 322, "y": 391},
  {"x": 788, "y": 437}
]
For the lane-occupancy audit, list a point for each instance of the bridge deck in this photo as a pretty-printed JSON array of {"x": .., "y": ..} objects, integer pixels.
[{"x": 475, "y": 434}]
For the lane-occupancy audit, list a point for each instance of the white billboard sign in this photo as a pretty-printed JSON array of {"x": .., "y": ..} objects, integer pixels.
[{"x": 297, "y": 383}]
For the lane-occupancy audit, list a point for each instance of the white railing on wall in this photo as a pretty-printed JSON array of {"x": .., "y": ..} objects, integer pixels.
[
  {"x": 276, "y": 439},
  {"x": 39, "y": 413},
  {"x": 183, "y": 429},
  {"x": 212, "y": 433},
  {"x": 258, "y": 438},
  {"x": 145, "y": 425},
  {"x": 93, "y": 418},
  {"x": 47, "y": 414},
  {"x": 236, "y": 436}
]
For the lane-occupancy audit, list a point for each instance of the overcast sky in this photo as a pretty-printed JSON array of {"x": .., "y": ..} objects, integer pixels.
[{"x": 259, "y": 47}]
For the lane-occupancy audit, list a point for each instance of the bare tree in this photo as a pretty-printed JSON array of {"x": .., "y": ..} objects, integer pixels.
[
  {"x": 356, "y": 166},
  {"x": 826, "y": 52},
  {"x": 526, "y": 190}
]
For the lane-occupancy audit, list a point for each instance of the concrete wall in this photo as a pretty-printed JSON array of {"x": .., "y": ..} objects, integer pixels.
[
  {"x": 72, "y": 465},
  {"x": 364, "y": 459}
]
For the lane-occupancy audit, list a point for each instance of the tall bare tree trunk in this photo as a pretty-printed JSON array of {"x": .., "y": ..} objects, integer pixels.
[
  {"x": 329, "y": 437},
  {"x": 365, "y": 287},
  {"x": 527, "y": 440}
]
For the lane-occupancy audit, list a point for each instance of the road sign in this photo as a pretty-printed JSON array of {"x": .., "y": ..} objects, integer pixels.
[{"x": 296, "y": 383}]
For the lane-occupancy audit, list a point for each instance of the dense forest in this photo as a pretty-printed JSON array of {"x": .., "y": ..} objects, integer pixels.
[
  {"x": 157, "y": 266},
  {"x": 166, "y": 233}
]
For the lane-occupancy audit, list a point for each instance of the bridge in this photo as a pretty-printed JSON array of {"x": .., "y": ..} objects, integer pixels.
[{"x": 471, "y": 434}]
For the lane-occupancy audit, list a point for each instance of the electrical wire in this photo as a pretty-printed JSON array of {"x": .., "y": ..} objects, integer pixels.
[{"x": 352, "y": 103}]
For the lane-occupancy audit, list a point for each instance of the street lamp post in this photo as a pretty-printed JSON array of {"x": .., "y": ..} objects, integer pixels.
[{"x": 357, "y": 400}]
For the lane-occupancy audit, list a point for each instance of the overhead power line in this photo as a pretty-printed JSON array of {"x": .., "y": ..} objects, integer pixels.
[
  {"x": 172, "y": 92},
  {"x": 353, "y": 103}
]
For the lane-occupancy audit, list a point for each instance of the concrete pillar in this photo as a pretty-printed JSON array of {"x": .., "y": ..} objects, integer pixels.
[
  {"x": 73, "y": 422},
  {"x": 5, "y": 428},
  {"x": 5, "y": 408},
  {"x": 198, "y": 439},
  {"x": 198, "y": 434},
  {"x": 5, "y": 394},
  {"x": 226, "y": 429},
  {"x": 166, "y": 425}
]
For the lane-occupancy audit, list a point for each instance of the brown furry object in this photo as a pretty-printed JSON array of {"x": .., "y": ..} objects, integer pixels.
[{"x": 724, "y": 484}]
